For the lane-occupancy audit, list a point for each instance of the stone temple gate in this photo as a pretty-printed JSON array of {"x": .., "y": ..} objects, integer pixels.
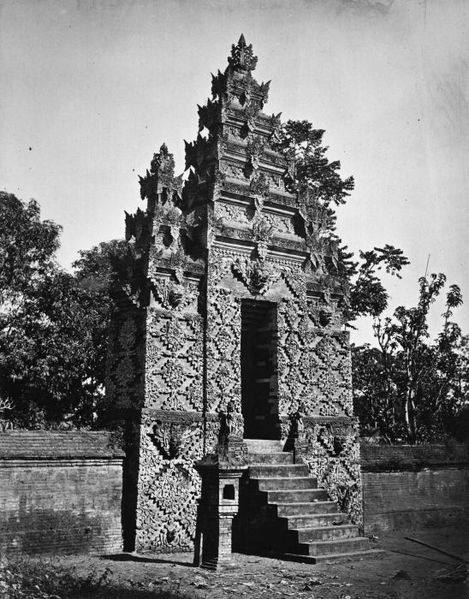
[{"x": 219, "y": 306}]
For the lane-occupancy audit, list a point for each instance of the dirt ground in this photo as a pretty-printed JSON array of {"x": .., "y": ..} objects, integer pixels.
[{"x": 406, "y": 570}]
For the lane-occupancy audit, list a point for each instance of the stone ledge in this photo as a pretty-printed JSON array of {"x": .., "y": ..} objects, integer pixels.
[
  {"x": 59, "y": 462},
  {"x": 399, "y": 458},
  {"x": 50, "y": 445}
]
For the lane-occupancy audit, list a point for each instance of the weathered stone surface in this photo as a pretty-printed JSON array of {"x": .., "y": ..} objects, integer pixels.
[
  {"x": 60, "y": 492},
  {"x": 219, "y": 303},
  {"x": 406, "y": 487}
]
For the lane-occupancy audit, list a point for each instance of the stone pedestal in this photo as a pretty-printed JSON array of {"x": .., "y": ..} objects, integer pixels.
[{"x": 218, "y": 505}]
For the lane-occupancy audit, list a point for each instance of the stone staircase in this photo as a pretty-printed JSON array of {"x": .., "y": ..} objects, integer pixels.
[{"x": 288, "y": 515}]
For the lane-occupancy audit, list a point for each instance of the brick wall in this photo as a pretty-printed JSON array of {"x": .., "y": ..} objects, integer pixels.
[
  {"x": 60, "y": 492},
  {"x": 407, "y": 487}
]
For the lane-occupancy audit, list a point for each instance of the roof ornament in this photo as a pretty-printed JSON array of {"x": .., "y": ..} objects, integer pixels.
[
  {"x": 159, "y": 183},
  {"x": 242, "y": 57},
  {"x": 163, "y": 164}
]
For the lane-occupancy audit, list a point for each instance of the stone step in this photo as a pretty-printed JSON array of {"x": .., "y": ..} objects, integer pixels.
[
  {"x": 281, "y": 457},
  {"x": 333, "y": 557},
  {"x": 268, "y": 484},
  {"x": 324, "y": 533},
  {"x": 310, "y": 527},
  {"x": 316, "y": 520},
  {"x": 296, "y": 495},
  {"x": 321, "y": 548},
  {"x": 264, "y": 445},
  {"x": 278, "y": 470},
  {"x": 285, "y": 509}
]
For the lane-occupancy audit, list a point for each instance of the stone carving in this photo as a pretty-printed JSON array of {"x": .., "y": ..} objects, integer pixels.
[
  {"x": 242, "y": 56},
  {"x": 279, "y": 224},
  {"x": 231, "y": 424},
  {"x": 209, "y": 116},
  {"x": 137, "y": 225},
  {"x": 257, "y": 275},
  {"x": 232, "y": 236},
  {"x": 159, "y": 185},
  {"x": 232, "y": 212},
  {"x": 167, "y": 440},
  {"x": 170, "y": 295},
  {"x": 334, "y": 458},
  {"x": 254, "y": 149},
  {"x": 174, "y": 362},
  {"x": 262, "y": 233},
  {"x": 297, "y": 428},
  {"x": 275, "y": 124},
  {"x": 223, "y": 351},
  {"x": 325, "y": 316},
  {"x": 168, "y": 484},
  {"x": 231, "y": 451}
]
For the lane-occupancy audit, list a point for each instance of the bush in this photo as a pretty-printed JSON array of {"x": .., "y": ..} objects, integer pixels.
[{"x": 25, "y": 578}]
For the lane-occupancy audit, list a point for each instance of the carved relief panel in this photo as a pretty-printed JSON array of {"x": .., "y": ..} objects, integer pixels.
[
  {"x": 333, "y": 455},
  {"x": 223, "y": 349},
  {"x": 173, "y": 371},
  {"x": 125, "y": 364},
  {"x": 168, "y": 485}
]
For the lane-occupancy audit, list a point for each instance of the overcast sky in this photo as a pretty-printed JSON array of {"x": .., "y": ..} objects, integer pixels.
[{"x": 90, "y": 89}]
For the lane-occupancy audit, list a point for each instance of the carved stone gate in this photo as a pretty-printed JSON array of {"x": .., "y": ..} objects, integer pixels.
[{"x": 218, "y": 300}]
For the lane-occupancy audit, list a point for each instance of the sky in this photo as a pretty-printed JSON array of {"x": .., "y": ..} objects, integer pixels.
[{"x": 92, "y": 88}]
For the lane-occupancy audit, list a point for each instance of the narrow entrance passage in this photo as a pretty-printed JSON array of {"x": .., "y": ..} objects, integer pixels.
[{"x": 259, "y": 369}]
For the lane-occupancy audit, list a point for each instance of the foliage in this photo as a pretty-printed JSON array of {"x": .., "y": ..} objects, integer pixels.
[
  {"x": 321, "y": 188},
  {"x": 53, "y": 324},
  {"x": 367, "y": 294},
  {"x": 407, "y": 388},
  {"x": 40, "y": 579},
  {"x": 94, "y": 268},
  {"x": 28, "y": 579},
  {"x": 303, "y": 145},
  {"x": 27, "y": 244}
]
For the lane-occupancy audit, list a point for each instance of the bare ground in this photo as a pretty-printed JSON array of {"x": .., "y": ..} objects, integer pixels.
[{"x": 405, "y": 570}]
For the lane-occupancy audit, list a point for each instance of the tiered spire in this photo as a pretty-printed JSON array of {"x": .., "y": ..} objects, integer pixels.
[
  {"x": 237, "y": 80},
  {"x": 159, "y": 185},
  {"x": 242, "y": 57}
]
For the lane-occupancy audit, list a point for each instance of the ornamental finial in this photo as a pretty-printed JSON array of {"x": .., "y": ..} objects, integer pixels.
[
  {"x": 242, "y": 57},
  {"x": 163, "y": 163}
]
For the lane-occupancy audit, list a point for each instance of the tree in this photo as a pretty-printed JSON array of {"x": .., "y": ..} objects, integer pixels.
[
  {"x": 315, "y": 179},
  {"x": 27, "y": 250},
  {"x": 321, "y": 188},
  {"x": 94, "y": 274},
  {"x": 408, "y": 388},
  {"x": 27, "y": 245},
  {"x": 302, "y": 145},
  {"x": 53, "y": 324}
]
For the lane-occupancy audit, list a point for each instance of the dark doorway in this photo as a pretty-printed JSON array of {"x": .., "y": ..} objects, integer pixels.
[{"x": 259, "y": 389}]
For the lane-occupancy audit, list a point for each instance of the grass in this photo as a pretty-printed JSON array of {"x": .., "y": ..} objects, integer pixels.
[{"x": 23, "y": 578}]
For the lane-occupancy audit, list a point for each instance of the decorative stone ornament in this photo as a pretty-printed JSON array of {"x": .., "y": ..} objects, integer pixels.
[
  {"x": 226, "y": 321},
  {"x": 242, "y": 57}
]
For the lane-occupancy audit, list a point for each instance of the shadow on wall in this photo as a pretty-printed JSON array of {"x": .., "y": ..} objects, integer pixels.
[{"x": 129, "y": 496}]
